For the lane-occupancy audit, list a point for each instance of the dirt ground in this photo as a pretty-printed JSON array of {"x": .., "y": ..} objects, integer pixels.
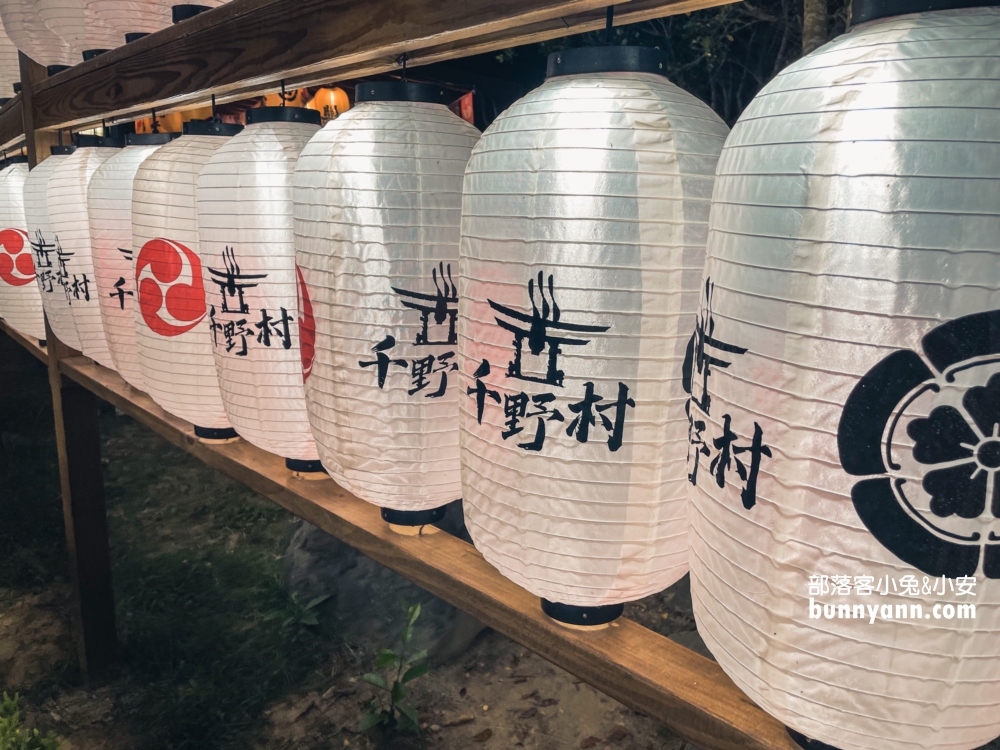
[{"x": 219, "y": 653}]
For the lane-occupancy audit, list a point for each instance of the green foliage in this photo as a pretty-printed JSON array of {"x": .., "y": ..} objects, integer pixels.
[
  {"x": 13, "y": 736},
  {"x": 389, "y": 708}
]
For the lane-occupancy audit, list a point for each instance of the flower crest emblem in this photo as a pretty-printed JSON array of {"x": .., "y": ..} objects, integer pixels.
[{"x": 923, "y": 430}]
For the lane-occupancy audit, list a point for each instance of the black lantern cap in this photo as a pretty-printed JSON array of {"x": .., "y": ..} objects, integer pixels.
[
  {"x": 184, "y": 12},
  {"x": 282, "y": 114},
  {"x": 135, "y": 36},
  {"x": 90, "y": 54},
  {"x": 51, "y": 70},
  {"x": 62, "y": 150},
  {"x": 4, "y": 100},
  {"x": 16, "y": 159},
  {"x": 149, "y": 139},
  {"x": 401, "y": 91},
  {"x": 414, "y": 517},
  {"x": 98, "y": 141},
  {"x": 210, "y": 127},
  {"x": 863, "y": 11},
  {"x": 606, "y": 60},
  {"x": 573, "y": 615},
  {"x": 17, "y": 87}
]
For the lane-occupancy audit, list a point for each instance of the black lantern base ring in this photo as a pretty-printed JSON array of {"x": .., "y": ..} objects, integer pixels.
[
  {"x": 214, "y": 435},
  {"x": 804, "y": 742},
  {"x": 313, "y": 468},
  {"x": 413, "y": 522},
  {"x": 582, "y": 617}
]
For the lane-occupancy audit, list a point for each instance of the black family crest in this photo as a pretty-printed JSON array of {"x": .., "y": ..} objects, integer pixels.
[{"x": 927, "y": 441}]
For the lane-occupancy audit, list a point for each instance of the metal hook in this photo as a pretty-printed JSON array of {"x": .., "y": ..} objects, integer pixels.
[
  {"x": 609, "y": 26},
  {"x": 215, "y": 116},
  {"x": 156, "y": 127},
  {"x": 284, "y": 101},
  {"x": 401, "y": 60}
]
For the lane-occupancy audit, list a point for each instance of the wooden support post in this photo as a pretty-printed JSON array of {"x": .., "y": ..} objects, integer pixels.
[{"x": 78, "y": 441}]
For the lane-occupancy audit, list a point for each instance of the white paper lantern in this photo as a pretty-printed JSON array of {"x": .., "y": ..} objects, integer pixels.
[
  {"x": 79, "y": 27},
  {"x": 583, "y": 230},
  {"x": 248, "y": 255},
  {"x": 20, "y": 301},
  {"x": 70, "y": 221},
  {"x": 377, "y": 212},
  {"x": 55, "y": 282},
  {"x": 25, "y": 28},
  {"x": 139, "y": 16},
  {"x": 173, "y": 329},
  {"x": 10, "y": 66},
  {"x": 109, "y": 203},
  {"x": 848, "y": 439}
]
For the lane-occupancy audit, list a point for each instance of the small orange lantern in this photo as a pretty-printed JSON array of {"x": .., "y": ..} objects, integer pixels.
[{"x": 329, "y": 103}]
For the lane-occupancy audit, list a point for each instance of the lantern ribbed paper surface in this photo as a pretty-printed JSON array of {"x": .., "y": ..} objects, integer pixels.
[
  {"x": 10, "y": 67},
  {"x": 109, "y": 201},
  {"x": 248, "y": 254},
  {"x": 138, "y": 16},
  {"x": 20, "y": 301},
  {"x": 54, "y": 282},
  {"x": 583, "y": 229},
  {"x": 70, "y": 222},
  {"x": 78, "y": 26},
  {"x": 26, "y": 29},
  {"x": 849, "y": 435},
  {"x": 172, "y": 326},
  {"x": 377, "y": 211}
]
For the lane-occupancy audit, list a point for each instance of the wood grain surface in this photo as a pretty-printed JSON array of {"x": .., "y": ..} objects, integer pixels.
[
  {"x": 11, "y": 123},
  {"x": 642, "y": 669},
  {"x": 248, "y": 46}
]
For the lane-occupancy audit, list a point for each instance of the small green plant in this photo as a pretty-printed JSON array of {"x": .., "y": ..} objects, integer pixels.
[
  {"x": 15, "y": 737},
  {"x": 388, "y": 708},
  {"x": 298, "y": 615}
]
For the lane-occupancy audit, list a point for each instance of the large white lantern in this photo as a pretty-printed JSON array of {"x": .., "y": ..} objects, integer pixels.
[
  {"x": 109, "y": 203},
  {"x": 79, "y": 27},
  {"x": 583, "y": 230},
  {"x": 55, "y": 283},
  {"x": 10, "y": 67},
  {"x": 173, "y": 329},
  {"x": 25, "y": 28},
  {"x": 377, "y": 213},
  {"x": 845, "y": 390},
  {"x": 248, "y": 255},
  {"x": 20, "y": 301},
  {"x": 132, "y": 18},
  {"x": 70, "y": 220}
]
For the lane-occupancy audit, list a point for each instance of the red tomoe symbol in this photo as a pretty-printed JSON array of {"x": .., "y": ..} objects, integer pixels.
[
  {"x": 168, "y": 280},
  {"x": 307, "y": 328},
  {"x": 16, "y": 266}
]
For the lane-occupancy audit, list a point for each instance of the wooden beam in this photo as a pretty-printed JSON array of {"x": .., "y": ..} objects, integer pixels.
[
  {"x": 248, "y": 46},
  {"x": 28, "y": 342},
  {"x": 78, "y": 441},
  {"x": 11, "y": 123},
  {"x": 642, "y": 669}
]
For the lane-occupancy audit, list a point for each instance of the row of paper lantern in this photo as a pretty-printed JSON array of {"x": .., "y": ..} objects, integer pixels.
[
  {"x": 64, "y": 32},
  {"x": 816, "y": 395}
]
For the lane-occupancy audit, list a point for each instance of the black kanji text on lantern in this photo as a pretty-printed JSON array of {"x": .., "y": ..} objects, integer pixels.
[
  {"x": 726, "y": 450},
  {"x": 232, "y": 283},
  {"x": 442, "y": 306},
  {"x": 539, "y": 329}
]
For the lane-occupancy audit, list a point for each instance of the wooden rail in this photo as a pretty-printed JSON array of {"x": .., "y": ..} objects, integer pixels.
[
  {"x": 638, "y": 667},
  {"x": 247, "y": 47},
  {"x": 11, "y": 122}
]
